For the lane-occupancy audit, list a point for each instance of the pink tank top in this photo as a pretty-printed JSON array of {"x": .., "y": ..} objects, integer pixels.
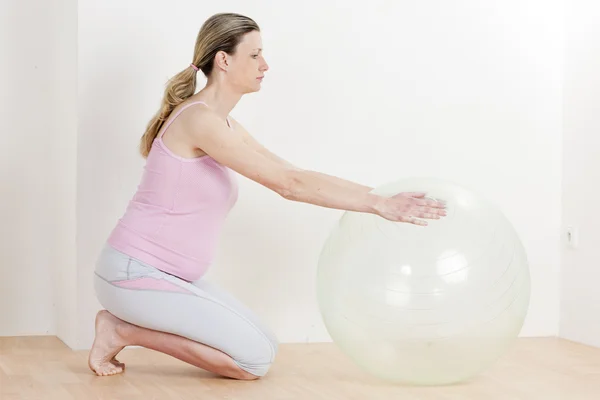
[{"x": 175, "y": 217}]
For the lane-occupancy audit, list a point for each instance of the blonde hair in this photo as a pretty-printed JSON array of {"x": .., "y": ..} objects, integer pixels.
[{"x": 221, "y": 32}]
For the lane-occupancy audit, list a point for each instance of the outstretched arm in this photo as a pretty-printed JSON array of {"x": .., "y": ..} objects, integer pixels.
[
  {"x": 210, "y": 134},
  {"x": 256, "y": 145}
]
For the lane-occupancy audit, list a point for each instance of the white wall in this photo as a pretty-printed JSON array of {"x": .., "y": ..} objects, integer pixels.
[
  {"x": 580, "y": 272},
  {"x": 367, "y": 93},
  {"x": 65, "y": 161},
  {"x": 37, "y": 169},
  {"x": 461, "y": 90}
]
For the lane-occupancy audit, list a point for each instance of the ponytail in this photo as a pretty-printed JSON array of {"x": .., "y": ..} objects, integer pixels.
[{"x": 181, "y": 87}]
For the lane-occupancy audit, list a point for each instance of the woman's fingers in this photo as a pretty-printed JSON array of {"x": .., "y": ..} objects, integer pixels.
[
  {"x": 431, "y": 203},
  {"x": 418, "y": 195},
  {"x": 430, "y": 210},
  {"x": 428, "y": 215}
]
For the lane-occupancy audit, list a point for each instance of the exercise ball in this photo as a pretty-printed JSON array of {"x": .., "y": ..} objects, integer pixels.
[{"x": 429, "y": 305}]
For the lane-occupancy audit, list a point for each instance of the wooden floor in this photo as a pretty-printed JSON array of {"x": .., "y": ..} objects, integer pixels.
[{"x": 43, "y": 368}]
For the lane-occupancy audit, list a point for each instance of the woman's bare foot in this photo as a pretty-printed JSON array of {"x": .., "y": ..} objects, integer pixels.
[
  {"x": 113, "y": 334},
  {"x": 107, "y": 344}
]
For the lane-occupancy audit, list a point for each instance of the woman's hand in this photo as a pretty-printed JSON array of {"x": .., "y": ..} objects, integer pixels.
[{"x": 409, "y": 207}]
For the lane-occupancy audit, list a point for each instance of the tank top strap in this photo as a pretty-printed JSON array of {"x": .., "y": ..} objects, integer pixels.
[{"x": 177, "y": 115}]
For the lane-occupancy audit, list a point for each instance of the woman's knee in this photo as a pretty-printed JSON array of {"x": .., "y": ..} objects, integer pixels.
[
  {"x": 248, "y": 371},
  {"x": 260, "y": 358}
]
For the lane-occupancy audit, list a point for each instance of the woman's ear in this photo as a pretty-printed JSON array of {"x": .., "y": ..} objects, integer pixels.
[{"x": 222, "y": 60}]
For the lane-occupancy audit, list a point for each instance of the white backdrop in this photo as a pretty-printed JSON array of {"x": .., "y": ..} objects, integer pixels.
[
  {"x": 38, "y": 109},
  {"x": 370, "y": 92},
  {"x": 580, "y": 298}
]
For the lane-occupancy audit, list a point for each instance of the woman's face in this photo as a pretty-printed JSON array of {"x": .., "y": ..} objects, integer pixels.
[{"x": 248, "y": 66}]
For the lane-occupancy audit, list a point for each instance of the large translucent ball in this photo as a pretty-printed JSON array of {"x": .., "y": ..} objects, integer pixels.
[{"x": 425, "y": 305}]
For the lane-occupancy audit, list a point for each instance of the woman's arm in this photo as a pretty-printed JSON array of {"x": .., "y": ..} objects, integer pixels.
[
  {"x": 210, "y": 134},
  {"x": 339, "y": 181},
  {"x": 256, "y": 145}
]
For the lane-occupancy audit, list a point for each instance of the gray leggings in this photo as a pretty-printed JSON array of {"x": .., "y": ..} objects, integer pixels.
[{"x": 145, "y": 296}]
